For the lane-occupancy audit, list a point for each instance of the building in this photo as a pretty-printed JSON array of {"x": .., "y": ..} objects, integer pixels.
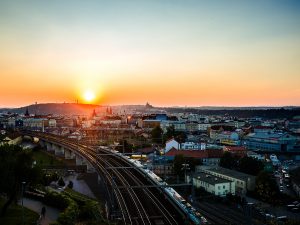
[
  {"x": 203, "y": 126},
  {"x": 65, "y": 122},
  {"x": 172, "y": 143},
  {"x": 191, "y": 126},
  {"x": 280, "y": 142},
  {"x": 239, "y": 151},
  {"x": 208, "y": 156},
  {"x": 212, "y": 184},
  {"x": 160, "y": 168},
  {"x": 149, "y": 123},
  {"x": 243, "y": 182},
  {"x": 263, "y": 129},
  {"x": 256, "y": 155},
  {"x": 192, "y": 146},
  {"x": 178, "y": 125},
  {"x": 36, "y": 123},
  {"x": 52, "y": 122}
]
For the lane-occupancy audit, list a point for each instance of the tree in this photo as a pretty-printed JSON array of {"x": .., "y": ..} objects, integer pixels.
[
  {"x": 228, "y": 161},
  {"x": 177, "y": 164},
  {"x": 16, "y": 167},
  {"x": 156, "y": 134},
  {"x": 61, "y": 182},
  {"x": 124, "y": 145},
  {"x": 180, "y": 159},
  {"x": 266, "y": 187},
  {"x": 250, "y": 165},
  {"x": 172, "y": 133}
]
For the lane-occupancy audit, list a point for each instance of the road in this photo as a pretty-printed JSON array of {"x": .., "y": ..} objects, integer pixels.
[{"x": 51, "y": 213}]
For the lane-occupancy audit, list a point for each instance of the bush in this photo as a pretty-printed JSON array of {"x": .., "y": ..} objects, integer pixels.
[
  {"x": 61, "y": 182},
  {"x": 69, "y": 216},
  {"x": 56, "y": 200},
  {"x": 63, "y": 202},
  {"x": 70, "y": 185}
]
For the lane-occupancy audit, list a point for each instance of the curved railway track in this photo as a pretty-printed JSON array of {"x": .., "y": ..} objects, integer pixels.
[{"x": 144, "y": 205}]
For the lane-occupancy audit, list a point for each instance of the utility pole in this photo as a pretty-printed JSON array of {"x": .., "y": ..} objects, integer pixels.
[
  {"x": 23, "y": 186},
  {"x": 123, "y": 146},
  {"x": 162, "y": 145}
]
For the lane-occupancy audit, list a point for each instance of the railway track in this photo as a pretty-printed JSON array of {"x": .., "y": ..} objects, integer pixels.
[
  {"x": 219, "y": 216},
  {"x": 145, "y": 205},
  {"x": 158, "y": 209}
]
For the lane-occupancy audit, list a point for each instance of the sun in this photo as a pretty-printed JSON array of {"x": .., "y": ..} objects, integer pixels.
[{"x": 89, "y": 96}]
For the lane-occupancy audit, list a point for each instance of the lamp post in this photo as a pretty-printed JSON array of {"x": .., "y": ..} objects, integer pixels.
[{"x": 23, "y": 186}]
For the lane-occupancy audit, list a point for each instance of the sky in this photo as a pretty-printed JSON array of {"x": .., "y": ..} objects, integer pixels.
[{"x": 166, "y": 52}]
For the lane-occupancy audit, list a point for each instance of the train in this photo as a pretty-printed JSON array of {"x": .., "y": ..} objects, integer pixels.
[{"x": 192, "y": 213}]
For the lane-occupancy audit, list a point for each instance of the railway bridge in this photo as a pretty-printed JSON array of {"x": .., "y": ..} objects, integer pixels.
[{"x": 133, "y": 197}]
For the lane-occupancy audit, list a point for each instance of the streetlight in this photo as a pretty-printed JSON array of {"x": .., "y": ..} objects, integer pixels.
[{"x": 23, "y": 186}]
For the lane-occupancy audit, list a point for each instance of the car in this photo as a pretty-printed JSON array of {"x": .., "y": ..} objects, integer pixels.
[
  {"x": 282, "y": 218},
  {"x": 290, "y": 206},
  {"x": 295, "y": 209},
  {"x": 269, "y": 216}
]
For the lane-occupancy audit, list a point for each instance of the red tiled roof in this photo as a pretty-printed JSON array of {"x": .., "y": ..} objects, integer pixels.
[
  {"x": 208, "y": 153},
  {"x": 235, "y": 148}
]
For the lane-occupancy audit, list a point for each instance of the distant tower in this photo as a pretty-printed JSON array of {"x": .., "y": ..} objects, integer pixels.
[
  {"x": 26, "y": 113},
  {"x": 94, "y": 113},
  {"x": 110, "y": 111},
  {"x": 148, "y": 106}
]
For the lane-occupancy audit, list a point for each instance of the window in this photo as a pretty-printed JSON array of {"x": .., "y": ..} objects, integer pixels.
[
  {"x": 223, "y": 186},
  {"x": 219, "y": 187}
]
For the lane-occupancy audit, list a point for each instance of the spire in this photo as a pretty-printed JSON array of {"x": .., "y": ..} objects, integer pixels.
[
  {"x": 27, "y": 113},
  {"x": 94, "y": 113}
]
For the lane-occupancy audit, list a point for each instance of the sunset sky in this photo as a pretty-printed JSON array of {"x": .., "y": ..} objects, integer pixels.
[{"x": 166, "y": 52}]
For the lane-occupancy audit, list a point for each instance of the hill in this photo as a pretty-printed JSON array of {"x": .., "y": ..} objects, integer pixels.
[{"x": 57, "y": 109}]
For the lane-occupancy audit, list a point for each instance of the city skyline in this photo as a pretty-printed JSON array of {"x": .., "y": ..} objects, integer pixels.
[{"x": 168, "y": 53}]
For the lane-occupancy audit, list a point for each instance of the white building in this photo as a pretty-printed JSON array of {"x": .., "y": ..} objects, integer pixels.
[
  {"x": 213, "y": 184},
  {"x": 192, "y": 146},
  {"x": 52, "y": 122},
  {"x": 243, "y": 182},
  {"x": 203, "y": 126}
]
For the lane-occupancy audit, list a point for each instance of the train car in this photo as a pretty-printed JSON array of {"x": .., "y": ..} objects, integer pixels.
[
  {"x": 139, "y": 157},
  {"x": 154, "y": 177}
]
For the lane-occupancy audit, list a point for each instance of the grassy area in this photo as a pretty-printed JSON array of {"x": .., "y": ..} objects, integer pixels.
[
  {"x": 45, "y": 159},
  {"x": 14, "y": 215}
]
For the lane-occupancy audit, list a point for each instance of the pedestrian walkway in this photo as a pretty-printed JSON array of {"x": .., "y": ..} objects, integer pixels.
[
  {"x": 79, "y": 185},
  {"x": 51, "y": 214}
]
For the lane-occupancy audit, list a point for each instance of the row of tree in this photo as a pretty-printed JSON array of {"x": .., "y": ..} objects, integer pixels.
[
  {"x": 16, "y": 170},
  {"x": 245, "y": 164},
  {"x": 159, "y": 137}
]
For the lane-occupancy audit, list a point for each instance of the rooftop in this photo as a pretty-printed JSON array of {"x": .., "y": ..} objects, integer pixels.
[
  {"x": 210, "y": 179},
  {"x": 207, "y": 153},
  {"x": 266, "y": 135},
  {"x": 227, "y": 172},
  {"x": 235, "y": 148}
]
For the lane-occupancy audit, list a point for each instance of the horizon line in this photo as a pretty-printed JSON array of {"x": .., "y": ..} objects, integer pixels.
[{"x": 160, "y": 106}]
